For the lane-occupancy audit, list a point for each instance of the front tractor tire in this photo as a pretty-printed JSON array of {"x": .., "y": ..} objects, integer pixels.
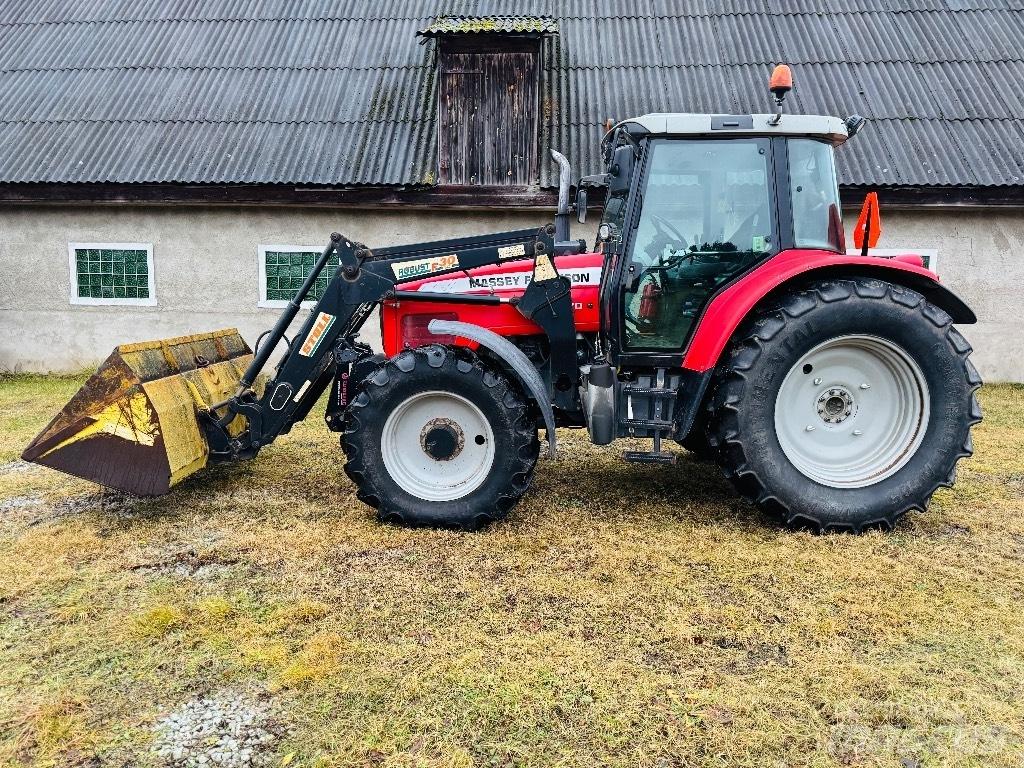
[
  {"x": 844, "y": 406},
  {"x": 436, "y": 437}
]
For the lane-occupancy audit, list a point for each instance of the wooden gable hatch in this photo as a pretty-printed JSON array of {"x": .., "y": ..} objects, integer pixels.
[{"x": 488, "y": 98}]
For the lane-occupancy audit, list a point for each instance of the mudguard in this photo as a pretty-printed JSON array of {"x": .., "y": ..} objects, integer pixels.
[
  {"x": 514, "y": 358},
  {"x": 729, "y": 308}
]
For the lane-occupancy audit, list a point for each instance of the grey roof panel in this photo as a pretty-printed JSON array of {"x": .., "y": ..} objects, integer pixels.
[
  {"x": 898, "y": 89},
  {"x": 984, "y": 148},
  {"x": 628, "y": 42},
  {"x": 928, "y": 155},
  {"x": 687, "y": 43},
  {"x": 872, "y": 37},
  {"x": 748, "y": 38},
  {"x": 806, "y": 38},
  {"x": 340, "y": 92}
]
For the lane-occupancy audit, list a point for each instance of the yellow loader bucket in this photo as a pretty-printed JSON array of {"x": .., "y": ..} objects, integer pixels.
[{"x": 133, "y": 425}]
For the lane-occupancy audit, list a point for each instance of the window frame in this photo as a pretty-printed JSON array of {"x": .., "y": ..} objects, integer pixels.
[
  {"x": 261, "y": 262},
  {"x": 794, "y": 238},
  {"x": 73, "y": 247}
]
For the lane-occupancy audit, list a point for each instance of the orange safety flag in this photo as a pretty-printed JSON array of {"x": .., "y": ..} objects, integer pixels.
[{"x": 869, "y": 224}]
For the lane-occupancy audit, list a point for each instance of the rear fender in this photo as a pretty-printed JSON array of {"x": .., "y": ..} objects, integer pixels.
[
  {"x": 514, "y": 358},
  {"x": 793, "y": 268}
]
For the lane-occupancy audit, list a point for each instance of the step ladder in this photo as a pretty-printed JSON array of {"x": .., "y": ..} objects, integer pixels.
[{"x": 661, "y": 424}]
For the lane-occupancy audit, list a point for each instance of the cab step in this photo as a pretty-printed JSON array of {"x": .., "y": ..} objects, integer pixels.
[
  {"x": 647, "y": 424},
  {"x": 650, "y": 457},
  {"x": 636, "y": 389}
]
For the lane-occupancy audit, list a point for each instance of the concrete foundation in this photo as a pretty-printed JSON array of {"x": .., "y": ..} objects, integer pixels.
[{"x": 207, "y": 274}]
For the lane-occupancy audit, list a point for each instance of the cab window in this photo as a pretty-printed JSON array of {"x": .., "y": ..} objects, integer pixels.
[
  {"x": 706, "y": 217},
  {"x": 817, "y": 222}
]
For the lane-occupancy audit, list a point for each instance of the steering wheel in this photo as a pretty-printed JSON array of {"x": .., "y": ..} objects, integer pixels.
[{"x": 663, "y": 225}]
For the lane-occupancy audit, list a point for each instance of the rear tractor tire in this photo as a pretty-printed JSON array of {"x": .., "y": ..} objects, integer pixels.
[
  {"x": 844, "y": 406},
  {"x": 436, "y": 437},
  {"x": 696, "y": 440}
]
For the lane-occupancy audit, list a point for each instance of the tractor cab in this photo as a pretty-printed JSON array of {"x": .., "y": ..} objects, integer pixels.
[{"x": 693, "y": 201}]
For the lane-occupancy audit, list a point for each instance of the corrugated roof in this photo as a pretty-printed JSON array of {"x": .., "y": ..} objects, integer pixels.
[{"x": 338, "y": 92}]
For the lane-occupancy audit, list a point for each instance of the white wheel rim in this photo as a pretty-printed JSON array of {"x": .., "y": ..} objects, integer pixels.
[
  {"x": 437, "y": 446},
  {"x": 852, "y": 411}
]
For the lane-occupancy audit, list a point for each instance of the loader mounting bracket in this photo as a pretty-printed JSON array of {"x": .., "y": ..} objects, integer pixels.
[
  {"x": 547, "y": 301},
  {"x": 224, "y": 447},
  {"x": 346, "y": 352}
]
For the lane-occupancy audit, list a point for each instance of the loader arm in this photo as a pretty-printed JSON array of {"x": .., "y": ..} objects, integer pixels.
[{"x": 328, "y": 338}]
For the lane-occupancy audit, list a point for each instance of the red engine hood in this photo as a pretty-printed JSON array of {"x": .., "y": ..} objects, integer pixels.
[
  {"x": 403, "y": 321},
  {"x": 512, "y": 277}
]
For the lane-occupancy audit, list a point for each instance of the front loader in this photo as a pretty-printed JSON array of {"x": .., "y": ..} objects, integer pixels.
[{"x": 719, "y": 309}]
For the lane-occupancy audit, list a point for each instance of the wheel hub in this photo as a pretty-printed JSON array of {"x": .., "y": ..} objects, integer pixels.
[
  {"x": 456, "y": 442},
  {"x": 852, "y": 411},
  {"x": 835, "y": 405},
  {"x": 442, "y": 439}
]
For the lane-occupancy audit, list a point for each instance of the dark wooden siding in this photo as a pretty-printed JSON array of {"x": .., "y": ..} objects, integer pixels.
[{"x": 488, "y": 117}]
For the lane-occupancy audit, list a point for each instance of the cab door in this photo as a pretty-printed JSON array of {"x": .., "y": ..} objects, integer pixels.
[{"x": 703, "y": 212}]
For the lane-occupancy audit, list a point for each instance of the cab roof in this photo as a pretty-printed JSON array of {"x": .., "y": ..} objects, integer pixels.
[{"x": 831, "y": 129}]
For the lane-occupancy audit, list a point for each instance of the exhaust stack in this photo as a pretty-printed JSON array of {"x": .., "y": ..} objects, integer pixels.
[{"x": 562, "y": 242}]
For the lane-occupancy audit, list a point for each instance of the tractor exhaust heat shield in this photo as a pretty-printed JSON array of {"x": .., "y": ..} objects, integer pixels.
[{"x": 133, "y": 426}]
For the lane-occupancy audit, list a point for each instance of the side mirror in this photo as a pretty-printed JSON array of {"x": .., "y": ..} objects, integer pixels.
[
  {"x": 621, "y": 170},
  {"x": 581, "y": 205},
  {"x": 853, "y": 125}
]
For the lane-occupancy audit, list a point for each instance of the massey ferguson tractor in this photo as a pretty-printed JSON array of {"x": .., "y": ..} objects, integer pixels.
[{"x": 719, "y": 309}]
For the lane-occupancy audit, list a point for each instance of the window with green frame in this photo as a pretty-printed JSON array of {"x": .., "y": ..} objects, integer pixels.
[
  {"x": 283, "y": 268},
  {"x": 111, "y": 273}
]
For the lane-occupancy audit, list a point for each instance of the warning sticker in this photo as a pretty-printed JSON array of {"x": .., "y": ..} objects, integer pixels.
[
  {"x": 512, "y": 251},
  {"x": 409, "y": 270},
  {"x": 316, "y": 334}
]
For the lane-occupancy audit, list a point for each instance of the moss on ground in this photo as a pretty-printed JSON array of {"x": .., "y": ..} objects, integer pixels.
[{"x": 624, "y": 615}]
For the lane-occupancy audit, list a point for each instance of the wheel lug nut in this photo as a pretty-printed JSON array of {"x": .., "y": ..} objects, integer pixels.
[
  {"x": 817, "y": 381},
  {"x": 810, "y": 427},
  {"x": 865, "y": 386},
  {"x": 858, "y": 432}
]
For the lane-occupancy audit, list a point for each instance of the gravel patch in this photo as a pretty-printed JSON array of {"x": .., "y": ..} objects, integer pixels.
[
  {"x": 104, "y": 500},
  {"x": 186, "y": 563},
  {"x": 18, "y": 503},
  {"x": 12, "y": 467},
  {"x": 226, "y": 728}
]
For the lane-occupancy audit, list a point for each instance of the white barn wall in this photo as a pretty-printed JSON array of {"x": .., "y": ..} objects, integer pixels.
[
  {"x": 981, "y": 258},
  {"x": 207, "y": 270},
  {"x": 207, "y": 273}
]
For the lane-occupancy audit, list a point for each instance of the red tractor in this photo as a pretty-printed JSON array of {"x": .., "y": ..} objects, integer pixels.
[{"x": 719, "y": 308}]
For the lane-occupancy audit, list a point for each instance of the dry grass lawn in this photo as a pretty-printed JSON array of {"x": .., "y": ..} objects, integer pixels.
[{"x": 624, "y": 615}]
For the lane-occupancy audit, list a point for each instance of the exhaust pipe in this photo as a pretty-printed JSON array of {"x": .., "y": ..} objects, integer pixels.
[{"x": 562, "y": 242}]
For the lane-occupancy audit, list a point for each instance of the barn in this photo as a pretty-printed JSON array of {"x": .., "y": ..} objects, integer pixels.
[{"x": 171, "y": 166}]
